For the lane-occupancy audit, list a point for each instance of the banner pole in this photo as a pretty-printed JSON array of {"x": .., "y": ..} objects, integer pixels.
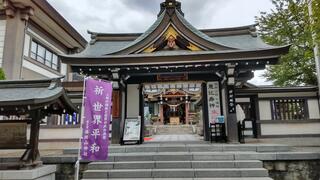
[{"x": 77, "y": 164}]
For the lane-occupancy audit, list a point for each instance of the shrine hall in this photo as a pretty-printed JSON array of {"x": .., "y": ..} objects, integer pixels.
[{"x": 175, "y": 74}]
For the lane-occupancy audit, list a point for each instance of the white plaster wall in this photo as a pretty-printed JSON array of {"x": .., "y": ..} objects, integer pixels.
[
  {"x": 30, "y": 74},
  {"x": 2, "y": 36},
  {"x": 33, "y": 67},
  {"x": 242, "y": 100},
  {"x": 133, "y": 100},
  {"x": 287, "y": 94},
  {"x": 60, "y": 133},
  {"x": 313, "y": 106},
  {"x": 265, "y": 110},
  {"x": 288, "y": 129},
  {"x": 26, "y": 46}
]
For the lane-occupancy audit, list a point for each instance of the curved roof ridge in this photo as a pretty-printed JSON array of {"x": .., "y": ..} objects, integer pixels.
[
  {"x": 205, "y": 30},
  {"x": 233, "y": 28},
  {"x": 180, "y": 52},
  {"x": 145, "y": 34}
]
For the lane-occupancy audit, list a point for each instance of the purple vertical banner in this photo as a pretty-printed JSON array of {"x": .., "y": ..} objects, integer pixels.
[{"x": 96, "y": 120}]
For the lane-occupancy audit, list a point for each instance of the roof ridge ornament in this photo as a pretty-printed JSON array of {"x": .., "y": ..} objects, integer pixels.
[{"x": 170, "y": 6}]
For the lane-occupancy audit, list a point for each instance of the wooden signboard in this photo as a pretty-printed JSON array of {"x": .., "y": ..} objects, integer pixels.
[
  {"x": 172, "y": 77},
  {"x": 13, "y": 135},
  {"x": 132, "y": 130}
]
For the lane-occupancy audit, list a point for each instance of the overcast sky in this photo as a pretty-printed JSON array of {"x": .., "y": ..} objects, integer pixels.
[{"x": 116, "y": 16}]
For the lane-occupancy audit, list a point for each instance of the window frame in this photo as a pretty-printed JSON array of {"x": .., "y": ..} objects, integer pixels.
[
  {"x": 278, "y": 105},
  {"x": 36, "y": 57}
]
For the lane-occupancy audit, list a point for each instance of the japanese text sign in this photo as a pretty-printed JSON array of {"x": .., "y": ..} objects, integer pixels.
[
  {"x": 214, "y": 108},
  {"x": 96, "y": 120}
]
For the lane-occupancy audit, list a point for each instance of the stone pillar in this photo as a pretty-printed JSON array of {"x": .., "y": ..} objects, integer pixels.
[
  {"x": 17, "y": 18},
  {"x": 231, "y": 106}
]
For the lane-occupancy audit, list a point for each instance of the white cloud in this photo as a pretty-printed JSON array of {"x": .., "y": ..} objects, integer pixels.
[{"x": 137, "y": 15}]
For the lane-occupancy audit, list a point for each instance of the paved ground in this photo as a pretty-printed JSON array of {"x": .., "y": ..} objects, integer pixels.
[{"x": 175, "y": 137}]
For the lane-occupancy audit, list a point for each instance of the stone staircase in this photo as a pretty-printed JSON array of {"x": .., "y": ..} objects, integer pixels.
[{"x": 183, "y": 161}]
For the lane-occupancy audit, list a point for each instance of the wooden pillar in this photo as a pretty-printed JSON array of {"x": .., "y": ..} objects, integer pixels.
[
  {"x": 116, "y": 116},
  {"x": 256, "y": 114},
  {"x": 231, "y": 117},
  {"x": 161, "y": 113},
  {"x": 123, "y": 108},
  {"x": 231, "y": 106},
  {"x": 187, "y": 112},
  {"x": 31, "y": 156},
  {"x": 141, "y": 113},
  {"x": 205, "y": 112}
]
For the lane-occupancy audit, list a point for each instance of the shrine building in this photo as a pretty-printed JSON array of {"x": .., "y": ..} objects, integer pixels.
[{"x": 176, "y": 74}]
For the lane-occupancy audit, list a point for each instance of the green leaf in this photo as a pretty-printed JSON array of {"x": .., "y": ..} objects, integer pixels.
[
  {"x": 2, "y": 75},
  {"x": 289, "y": 23}
]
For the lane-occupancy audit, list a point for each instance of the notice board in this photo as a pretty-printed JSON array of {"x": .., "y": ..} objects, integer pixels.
[{"x": 132, "y": 129}]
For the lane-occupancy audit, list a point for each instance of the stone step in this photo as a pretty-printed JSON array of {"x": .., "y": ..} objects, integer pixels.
[
  {"x": 177, "y": 173},
  {"x": 246, "y": 178},
  {"x": 171, "y": 156},
  {"x": 194, "y": 156},
  {"x": 174, "y": 164},
  {"x": 192, "y": 148}
]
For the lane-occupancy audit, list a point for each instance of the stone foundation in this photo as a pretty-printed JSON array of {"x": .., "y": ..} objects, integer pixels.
[
  {"x": 293, "y": 170},
  {"x": 66, "y": 171}
]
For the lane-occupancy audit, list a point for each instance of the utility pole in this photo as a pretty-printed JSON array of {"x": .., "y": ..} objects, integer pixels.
[{"x": 315, "y": 44}]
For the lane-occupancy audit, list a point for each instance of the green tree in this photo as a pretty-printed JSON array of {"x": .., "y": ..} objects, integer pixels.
[
  {"x": 316, "y": 19},
  {"x": 289, "y": 23},
  {"x": 2, "y": 75}
]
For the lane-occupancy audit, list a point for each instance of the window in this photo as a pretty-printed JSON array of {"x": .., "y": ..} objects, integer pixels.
[
  {"x": 43, "y": 55},
  {"x": 33, "y": 53},
  {"x": 288, "y": 109},
  {"x": 48, "y": 58},
  {"x": 54, "y": 61}
]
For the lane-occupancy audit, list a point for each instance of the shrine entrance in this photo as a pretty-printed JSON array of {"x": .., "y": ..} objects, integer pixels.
[
  {"x": 174, "y": 114},
  {"x": 173, "y": 107}
]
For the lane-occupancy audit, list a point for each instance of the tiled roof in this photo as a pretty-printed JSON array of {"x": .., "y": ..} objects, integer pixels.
[
  {"x": 246, "y": 40},
  {"x": 33, "y": 93}
]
